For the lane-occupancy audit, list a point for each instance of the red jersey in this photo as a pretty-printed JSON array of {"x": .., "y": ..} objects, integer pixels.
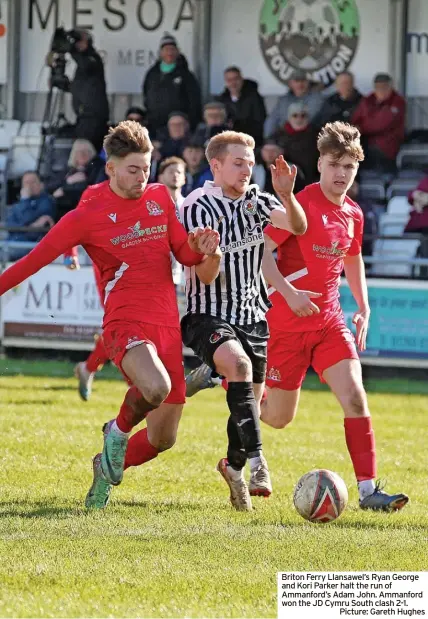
[
  {"x": 130, "y": 242},
  {"x": 314, "y": 260}
]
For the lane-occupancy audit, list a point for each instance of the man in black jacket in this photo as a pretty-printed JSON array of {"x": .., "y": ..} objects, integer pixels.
[
  {"x": 89, "y": 94},
  {"x": 341, "y": 104},
  {"x": 245, "y": 106},
  {"x": 170, "y": 86}
]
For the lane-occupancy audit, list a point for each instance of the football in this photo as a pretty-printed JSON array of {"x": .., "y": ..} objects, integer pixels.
[{"x": 320, "y": 496}]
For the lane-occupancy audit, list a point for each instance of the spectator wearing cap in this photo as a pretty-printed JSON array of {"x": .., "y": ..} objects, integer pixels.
[
  {"x": 136, "y": 113},
  {"x": 342, "y": 104},
  {"x": 300, "y": 91},
  {"x": 214, "y": 122},
  {"x": 198, "y": 170},
  {"x": 381, "y": 119},
  {"x": 298, "y": 139},
  {"x": 245, "y": 106},
  {"x": 262, "y": 173},
  {"x": 176, "y": 135},
  {"x": 170, "y": 86}
]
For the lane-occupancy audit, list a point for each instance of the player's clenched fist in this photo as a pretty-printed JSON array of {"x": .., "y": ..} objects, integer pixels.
[{"x": 205, "y": 241}]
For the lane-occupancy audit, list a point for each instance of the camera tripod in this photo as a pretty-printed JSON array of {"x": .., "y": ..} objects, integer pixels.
[{"x": 53, "y": 125}]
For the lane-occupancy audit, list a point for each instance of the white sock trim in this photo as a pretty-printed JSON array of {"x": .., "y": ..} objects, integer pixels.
[
  {"x": 234, "y": 474},
  {"x": 117, "y": 430},
  {"x": 366, "y": 488}
]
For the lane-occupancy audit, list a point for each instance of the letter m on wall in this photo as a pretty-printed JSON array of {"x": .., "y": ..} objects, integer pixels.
[{"x": 42, "y": 9}]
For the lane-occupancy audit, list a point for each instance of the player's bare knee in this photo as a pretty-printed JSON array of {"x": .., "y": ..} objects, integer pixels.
[
  {"x": 158, "y": 391},
  {"x": 356, "y": 402},
  {"x": 277, "y": 421},
  {"x": 243, "y": 368}
]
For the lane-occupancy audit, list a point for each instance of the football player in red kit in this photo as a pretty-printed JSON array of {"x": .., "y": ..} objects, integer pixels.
[
  {"x": 308, "y": 328},
  {"x": 129, "y": 230}
]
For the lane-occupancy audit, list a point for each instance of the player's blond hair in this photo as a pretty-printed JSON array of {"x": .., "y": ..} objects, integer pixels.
[
  {"x": 338, "y": 139},
  {"x": 127, "y": 137},
  {"x": 218, "y": 145}
]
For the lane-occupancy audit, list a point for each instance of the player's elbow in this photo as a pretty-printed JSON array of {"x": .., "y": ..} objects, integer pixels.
[{"x": 300, "y": 227}]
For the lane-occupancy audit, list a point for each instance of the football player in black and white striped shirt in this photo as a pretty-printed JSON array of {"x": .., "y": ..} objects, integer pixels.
[{"x": 225, "y": 322}]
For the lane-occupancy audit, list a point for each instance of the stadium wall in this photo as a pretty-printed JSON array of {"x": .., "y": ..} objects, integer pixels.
[{"x": 128, "y": 36}]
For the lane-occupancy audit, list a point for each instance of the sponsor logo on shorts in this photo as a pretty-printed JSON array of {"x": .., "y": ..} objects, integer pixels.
[
  {"x": 274, "y": 374},
  {"x": 134, "y": 341},
  {"x": 332, "y": 252},
  {"x": 153, "y": 208},
  {"x": 216, "y": 337},
  {"x": 138, "y": 234}
]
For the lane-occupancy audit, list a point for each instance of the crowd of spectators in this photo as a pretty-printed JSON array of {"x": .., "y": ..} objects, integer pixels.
[{"x": 180, "y": 127}]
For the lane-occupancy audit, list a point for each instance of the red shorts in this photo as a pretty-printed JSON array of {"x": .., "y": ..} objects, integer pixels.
[
  {"x": 119, "y": 337},
  {"x": 291, "y": 353}
]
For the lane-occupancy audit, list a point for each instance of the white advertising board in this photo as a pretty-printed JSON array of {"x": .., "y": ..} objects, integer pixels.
[
  {"x": 268, "y": 39},
  {"x": 53, "y": 307},
  {"x": 126, "y": 32}
]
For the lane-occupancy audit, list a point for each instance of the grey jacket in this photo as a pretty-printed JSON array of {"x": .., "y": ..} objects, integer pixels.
[{"x": 278, "y": 117}]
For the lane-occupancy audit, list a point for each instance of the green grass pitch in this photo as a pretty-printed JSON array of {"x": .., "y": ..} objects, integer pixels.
[{"x": 169, "y": 545}]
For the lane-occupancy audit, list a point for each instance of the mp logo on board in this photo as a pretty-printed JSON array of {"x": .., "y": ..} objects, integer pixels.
[{"x": 319, "y": 37}]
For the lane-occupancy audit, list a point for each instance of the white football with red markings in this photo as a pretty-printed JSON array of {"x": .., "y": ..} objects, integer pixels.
[{"x": 320, "y": 496}]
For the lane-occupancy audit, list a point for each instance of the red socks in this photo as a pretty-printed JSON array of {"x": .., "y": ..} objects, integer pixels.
[
  {"x": 98, "y": 356},
  {"x": 360, "y": 441},
  {"x": 126, "y": 418},
  {"x": 139, "y": 449}
]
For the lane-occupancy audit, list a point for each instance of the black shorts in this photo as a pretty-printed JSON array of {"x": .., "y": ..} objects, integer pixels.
[{"x": 204, "y": 334}]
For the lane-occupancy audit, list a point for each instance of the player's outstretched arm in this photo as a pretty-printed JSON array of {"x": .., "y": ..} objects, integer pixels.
[
  {"x": 294, "y": 217},
  {"x": 299, "y": 301},
  {"x": 65, "y": 233}
]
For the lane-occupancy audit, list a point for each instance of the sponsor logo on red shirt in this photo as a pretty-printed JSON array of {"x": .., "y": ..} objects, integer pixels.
[
  {"x": 329, "y": 252},
  {"x": 139, "y": 234}
]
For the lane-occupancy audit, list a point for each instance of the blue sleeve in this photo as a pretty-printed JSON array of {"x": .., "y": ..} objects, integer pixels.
[{"x": 45, "y": 206}]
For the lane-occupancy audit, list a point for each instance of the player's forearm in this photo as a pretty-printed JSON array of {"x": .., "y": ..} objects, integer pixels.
[
  {"x": 273, "y": 276},
  {"x": 356, "y": 277},
  {"x": 186, "y": 256},
  {"x": 39, "y": 257},
  {"x": 208, "y": 270},
  {"x": 294, "y": 217}
]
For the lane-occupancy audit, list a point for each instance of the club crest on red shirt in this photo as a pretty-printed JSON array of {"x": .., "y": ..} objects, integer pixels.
[{"x": 153, "y": 208}]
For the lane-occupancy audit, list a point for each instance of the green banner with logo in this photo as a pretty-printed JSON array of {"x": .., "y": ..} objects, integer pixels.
[{"x": 398, "y": 321}]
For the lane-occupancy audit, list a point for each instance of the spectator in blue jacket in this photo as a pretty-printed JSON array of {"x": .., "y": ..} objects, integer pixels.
[{"x": 35, "y": 209}]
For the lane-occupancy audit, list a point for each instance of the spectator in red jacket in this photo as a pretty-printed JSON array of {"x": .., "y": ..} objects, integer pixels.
[
  {"x": 418, "y": 220},
  {"x": 381, "y": 119},
  {"x": 418, "y": 198}
]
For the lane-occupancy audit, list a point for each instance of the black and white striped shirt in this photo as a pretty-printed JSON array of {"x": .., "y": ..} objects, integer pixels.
[{"x": 239, "y": 294}]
